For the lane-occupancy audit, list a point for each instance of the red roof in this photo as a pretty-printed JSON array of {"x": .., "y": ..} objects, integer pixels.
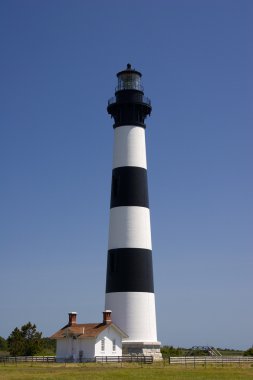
[{"x": 84, "y": 330}]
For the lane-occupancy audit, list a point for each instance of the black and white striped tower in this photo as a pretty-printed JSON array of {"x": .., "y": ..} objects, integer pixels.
[{"x": 129, "y": 282}]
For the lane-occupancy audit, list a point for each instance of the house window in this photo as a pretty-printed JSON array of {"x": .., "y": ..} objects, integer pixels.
[
  {"x": 103, "y": 344},
  {"x": 114, "y": 345}
]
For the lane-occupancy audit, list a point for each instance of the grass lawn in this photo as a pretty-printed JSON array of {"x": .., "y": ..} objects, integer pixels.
[{"x": 111, "y": 371}]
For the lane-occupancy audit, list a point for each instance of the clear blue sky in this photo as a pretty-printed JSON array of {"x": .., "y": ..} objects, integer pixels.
[{"x": 57, "y": 70}]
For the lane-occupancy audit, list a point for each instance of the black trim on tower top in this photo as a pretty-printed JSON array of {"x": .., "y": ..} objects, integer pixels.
[
  {"x": 129, "y": 106},
  {"x": 129, "y": 270},
  {"x": 129, "y": 187}
]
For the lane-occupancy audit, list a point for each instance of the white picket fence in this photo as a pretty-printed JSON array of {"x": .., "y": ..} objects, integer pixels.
[{"x": 192, "y": 360}]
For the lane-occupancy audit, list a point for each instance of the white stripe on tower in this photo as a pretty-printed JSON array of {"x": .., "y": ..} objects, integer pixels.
[
  {"x": 129, "y": 147},
  {"x": 129, "y": 227},
  {"x": 129, "y": 283}
]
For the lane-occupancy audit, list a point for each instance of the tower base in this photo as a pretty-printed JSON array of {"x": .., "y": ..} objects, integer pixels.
[{"x": 142, "y": 348}]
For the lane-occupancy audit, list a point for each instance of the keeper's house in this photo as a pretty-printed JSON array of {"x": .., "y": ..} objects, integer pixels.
[{"x": 80, "y": 341}]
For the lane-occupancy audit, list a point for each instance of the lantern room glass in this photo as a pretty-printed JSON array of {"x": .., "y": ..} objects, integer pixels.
[{"x": 129, "y": 81}]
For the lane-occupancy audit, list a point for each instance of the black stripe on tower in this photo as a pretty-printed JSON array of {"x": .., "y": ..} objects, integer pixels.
[
  {"x": 129, "y": 187},
  {"x": 129, "y": 270}
]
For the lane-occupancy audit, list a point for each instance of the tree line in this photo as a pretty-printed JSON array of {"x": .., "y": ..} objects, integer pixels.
[
  {"x": 168, "y": 351},
  {"x": 27, "y": 341}
]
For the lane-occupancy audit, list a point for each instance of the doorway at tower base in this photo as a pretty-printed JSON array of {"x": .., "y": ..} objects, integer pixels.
[{"x": 142, "y": 348}]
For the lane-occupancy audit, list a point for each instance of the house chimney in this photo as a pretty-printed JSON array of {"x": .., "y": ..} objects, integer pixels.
[
  {"x": 72, "y": 318},
  {"x": 107, "y": 317}
]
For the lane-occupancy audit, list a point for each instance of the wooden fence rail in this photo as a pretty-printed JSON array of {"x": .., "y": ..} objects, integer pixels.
[
  {"x": 183, "y": 360},
  {"x": 192, "y": 360},
  {"x": 16, "y": 359},
  {"x": 125, "y": 359},
  {"x": 100, "y": 359}
]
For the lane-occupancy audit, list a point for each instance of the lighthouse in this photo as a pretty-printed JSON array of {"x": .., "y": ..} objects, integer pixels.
[{"x": 129, "y": 280}]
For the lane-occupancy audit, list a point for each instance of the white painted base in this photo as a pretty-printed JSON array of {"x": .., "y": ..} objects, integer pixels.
[
  {"x": 134, "y": 313},
  {"x": 142, "y": 348}
]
